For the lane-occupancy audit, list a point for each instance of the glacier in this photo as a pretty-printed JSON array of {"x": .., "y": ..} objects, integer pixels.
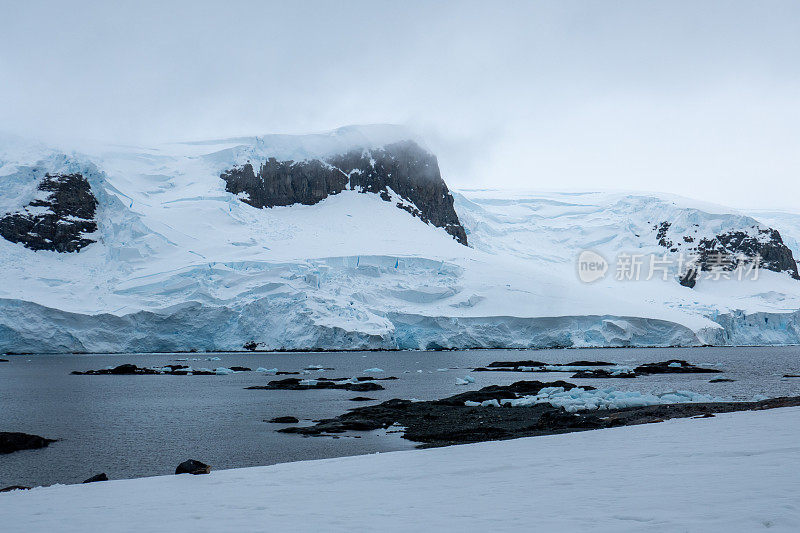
[{"x": 179, "y": 264}]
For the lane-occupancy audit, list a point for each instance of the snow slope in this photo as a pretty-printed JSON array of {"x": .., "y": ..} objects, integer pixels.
[
  {"x": 733, "y": 472},
  {"x": 181, "y": 264}
]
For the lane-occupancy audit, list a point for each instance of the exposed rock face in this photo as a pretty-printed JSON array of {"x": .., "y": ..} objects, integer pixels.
[
  {"x": 402, "y": 173},
  {"x": 689, "y": 279},
  {"x": 775, "y": 255},
  {"x": 59, "y": 221},
  {"x": 725, "y": 250},
  {"x": 96, "y": 478}
]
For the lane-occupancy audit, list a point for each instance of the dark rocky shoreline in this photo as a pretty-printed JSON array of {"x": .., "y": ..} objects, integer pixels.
[
  {"x": 448, "y": 421},
  {"x": 594, "y": 369}
]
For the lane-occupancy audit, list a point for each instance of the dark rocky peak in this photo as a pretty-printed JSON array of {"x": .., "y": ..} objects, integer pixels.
[
  {"x": 726, "y": 249},
  {"x": 401, "y": 172},
  {"x": 768, "y": 245},
  {"x": 58, "y": 220}
]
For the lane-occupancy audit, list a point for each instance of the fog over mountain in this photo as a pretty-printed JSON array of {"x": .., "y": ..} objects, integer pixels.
[{"x": 697, "y": 99}]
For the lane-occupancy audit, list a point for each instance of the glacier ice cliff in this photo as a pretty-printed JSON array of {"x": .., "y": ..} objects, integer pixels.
[{"x": 352, "y": 240}]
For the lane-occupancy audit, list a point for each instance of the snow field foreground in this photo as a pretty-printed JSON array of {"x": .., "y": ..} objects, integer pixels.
[{"x": 733, "y": 472}]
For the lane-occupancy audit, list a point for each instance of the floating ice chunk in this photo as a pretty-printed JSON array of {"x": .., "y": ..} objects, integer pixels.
[
  {"x": 460, "y": 381},
  {"x": 182, "y": 359},
  {"x": 674, "y": 365},
  {"x": 222, "y": 371},
  {"x": 262, "y": 369},
  {"x": 442, "y": 369},
  {"x": 213, "y": 359},
  {"x": 373, "y": 370}
]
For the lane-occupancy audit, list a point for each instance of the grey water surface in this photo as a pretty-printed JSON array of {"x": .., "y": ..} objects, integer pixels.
[{"x": 134, "y": 426}]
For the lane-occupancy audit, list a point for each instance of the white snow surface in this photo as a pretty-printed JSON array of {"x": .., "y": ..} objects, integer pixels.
[
  {"x": 733, "y": 472},
  {"x": 180, "y": 263}
]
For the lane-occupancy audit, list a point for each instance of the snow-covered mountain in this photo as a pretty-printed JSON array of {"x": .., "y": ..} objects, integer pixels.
[{"x": 351, "y": 239}]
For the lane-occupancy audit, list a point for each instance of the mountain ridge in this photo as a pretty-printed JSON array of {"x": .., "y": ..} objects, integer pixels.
[{"x": 179, "y": 262}]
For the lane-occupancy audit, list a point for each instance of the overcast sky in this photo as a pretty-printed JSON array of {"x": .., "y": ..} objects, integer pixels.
[{"x": 696, "y": 98}]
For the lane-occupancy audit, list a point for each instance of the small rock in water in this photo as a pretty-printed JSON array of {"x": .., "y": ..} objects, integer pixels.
[
  {"x": 98, "y": 477},
  {"x": 722, "y": 380},
  {"x": 362, "y": 399},
  {"x": 12, "y": 442},
  {"x": 284, "y": 420},
  {"x": 3, "y": 360},
  {"x": 673, "y": 366},
  {"x": 791, "y": 375},
  {"x": 14, "y": 487},
  {"x": 240, "y": 369},
  {"x": 332, "y": 383},
  {"x": 193, "y": 467}
]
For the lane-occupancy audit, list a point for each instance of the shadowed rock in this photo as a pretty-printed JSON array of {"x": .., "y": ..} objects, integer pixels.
[
  {"x": 322, "y": 383},
  {"x": 96, "y": 478},
  {"x": 59, "y": 221},
  {"x": 194, "y": 467},
  {"x": 14, "y": 487},
  {"x": 602, "y": 373},
  {"x": 13, "y": 442},
  {"x": 402, "y": 173},
  {"x": 284, "y": 420},
  {"x": 673, "y": 366},
  {"x": 133, "y": 370}
]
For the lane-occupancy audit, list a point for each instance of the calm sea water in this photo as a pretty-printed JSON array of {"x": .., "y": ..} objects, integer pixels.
[{"x": 134, "y": 426}]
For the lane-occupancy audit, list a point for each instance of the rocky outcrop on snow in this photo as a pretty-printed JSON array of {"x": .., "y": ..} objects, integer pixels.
[
  {"x": 401, "y": 172},
  {"x": 766, "y": 244},
  {"x": 57, "y": 221},
  {"x": 727, "y": 249}
]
